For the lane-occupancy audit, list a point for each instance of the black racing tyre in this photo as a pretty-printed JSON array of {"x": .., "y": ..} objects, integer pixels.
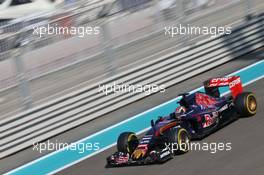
[
  {"x": 246, "y": 104},
  {"x": 179, "y": 140},
  {"x": 127, "y": 142}
]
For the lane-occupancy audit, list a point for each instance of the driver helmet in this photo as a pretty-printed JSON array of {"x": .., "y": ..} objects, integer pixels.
[{"x": 180, "y": 110}]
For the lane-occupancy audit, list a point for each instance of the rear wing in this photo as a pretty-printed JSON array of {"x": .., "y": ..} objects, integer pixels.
[{"x": 234, "y": 83}]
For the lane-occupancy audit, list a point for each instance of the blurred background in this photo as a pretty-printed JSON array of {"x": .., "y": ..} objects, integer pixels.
[{"x": 36, "y": 69}]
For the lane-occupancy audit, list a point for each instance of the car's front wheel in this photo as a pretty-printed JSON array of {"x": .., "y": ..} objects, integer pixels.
[
  {"x": 127, "y": 142},
  {"x": 179, "y": 140}
]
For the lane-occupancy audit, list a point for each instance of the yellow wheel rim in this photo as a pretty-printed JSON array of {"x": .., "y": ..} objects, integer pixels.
[
  {"x": 130, "y": 138},
  {"x": 180, "y": 140},
  {"x": 251, "y": 104}
]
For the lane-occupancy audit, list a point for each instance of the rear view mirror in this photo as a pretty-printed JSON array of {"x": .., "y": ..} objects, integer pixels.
[{"x": 152, "y": 123}]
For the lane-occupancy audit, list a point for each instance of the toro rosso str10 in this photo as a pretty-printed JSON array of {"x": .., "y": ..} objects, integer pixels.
[{"x": 198, "y": 115}]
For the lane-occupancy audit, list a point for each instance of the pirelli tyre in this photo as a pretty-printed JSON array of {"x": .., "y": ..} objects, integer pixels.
[
  {"x": 246, "y": 104},
  {"x": 179, "y": 140},
  {"x": 127, "y": 142}
]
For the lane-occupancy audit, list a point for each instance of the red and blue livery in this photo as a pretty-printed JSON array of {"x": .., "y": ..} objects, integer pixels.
[{"x": 198, "y": 115}]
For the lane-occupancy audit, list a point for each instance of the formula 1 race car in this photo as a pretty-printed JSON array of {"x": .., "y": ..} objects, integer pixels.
[{"x": 198, "y": 115}]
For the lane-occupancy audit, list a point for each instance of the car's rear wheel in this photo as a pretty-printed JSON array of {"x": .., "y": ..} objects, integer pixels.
[
  {"x": 246, "y": 104},
  {"x": 127, "y": 142},
  {"x": 179, "y": 139}
]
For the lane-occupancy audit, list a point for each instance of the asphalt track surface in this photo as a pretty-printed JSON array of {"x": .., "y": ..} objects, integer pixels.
[{"x": 246, "y": 156}]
